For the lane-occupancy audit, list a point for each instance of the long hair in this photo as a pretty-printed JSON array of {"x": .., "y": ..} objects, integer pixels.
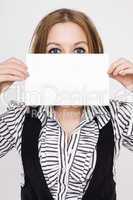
[{"x": 40, "y": 35}]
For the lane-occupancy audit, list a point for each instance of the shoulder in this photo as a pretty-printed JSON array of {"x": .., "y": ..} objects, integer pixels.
[
  {"x": 14, "y": 109},
  {"x": 116, "y": 104}
]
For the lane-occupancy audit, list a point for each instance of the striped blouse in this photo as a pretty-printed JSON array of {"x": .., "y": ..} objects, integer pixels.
[{"x": 68, "y": 166}]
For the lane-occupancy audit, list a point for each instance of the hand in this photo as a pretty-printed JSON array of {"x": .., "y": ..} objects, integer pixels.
[
  {"x": 11, "y": 70},
  {"x": 122, "y": 71}
]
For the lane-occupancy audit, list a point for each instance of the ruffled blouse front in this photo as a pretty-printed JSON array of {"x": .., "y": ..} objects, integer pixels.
[{"x": 67, "y": 167}]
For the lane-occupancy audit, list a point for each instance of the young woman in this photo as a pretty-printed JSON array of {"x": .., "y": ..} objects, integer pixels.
[{"x": 68, "y": 152}]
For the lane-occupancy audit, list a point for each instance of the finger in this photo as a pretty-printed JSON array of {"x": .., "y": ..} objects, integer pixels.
[
  {"x": 119, "y": 68},
  {"x": 12, "y": 71},
  {"x": 115, "y": 64},
  {"x": 15, "y": 60},
  {"x": 9, "y": 78},
  {"x": 14, "y": 66},
  {"x": 126, "y": 71},
  {"x": 121, "y": 61}
]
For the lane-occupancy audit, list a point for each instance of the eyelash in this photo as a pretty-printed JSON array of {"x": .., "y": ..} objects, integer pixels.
[
  {"x": 80, "y": 49},
  {"x": 60, "y": 50},
  {"x": 53, "y": 49}
]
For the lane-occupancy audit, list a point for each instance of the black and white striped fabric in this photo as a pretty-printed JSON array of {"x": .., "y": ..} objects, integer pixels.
[{"x": 68, "y": 166}]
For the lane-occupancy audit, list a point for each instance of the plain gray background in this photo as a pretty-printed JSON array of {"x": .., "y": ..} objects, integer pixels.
[{"x": 18, "y": 20}]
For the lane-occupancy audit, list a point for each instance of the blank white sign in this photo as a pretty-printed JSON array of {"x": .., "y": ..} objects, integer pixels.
[{"x": 67, "y": 79}]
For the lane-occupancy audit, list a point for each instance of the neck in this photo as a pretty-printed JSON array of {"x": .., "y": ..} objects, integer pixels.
[{"x": 71, "y": 111}]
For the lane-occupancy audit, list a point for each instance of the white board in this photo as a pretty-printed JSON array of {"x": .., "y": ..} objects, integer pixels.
[{"x": 67, "y": 79}]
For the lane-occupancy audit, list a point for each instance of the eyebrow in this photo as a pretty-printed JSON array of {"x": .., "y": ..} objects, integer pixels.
[{"x": 50, "y": 43}]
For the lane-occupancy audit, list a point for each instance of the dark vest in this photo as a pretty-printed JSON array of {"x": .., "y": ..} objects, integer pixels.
[{"x": 101, "y": 186}]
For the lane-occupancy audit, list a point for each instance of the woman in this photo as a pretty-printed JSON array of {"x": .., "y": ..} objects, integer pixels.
[{"x": 67, "y": 152}]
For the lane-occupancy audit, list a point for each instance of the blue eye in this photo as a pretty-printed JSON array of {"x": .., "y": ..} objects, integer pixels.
[
  {"x": 54, "y": 50},
  {"x": 79, "y": 50}
]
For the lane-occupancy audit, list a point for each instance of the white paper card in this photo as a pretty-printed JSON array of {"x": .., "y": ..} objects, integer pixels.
[{"x": 67, "y": 79}]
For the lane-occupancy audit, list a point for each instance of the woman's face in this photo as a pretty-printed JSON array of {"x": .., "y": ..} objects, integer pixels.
[{"x": 66, "y": 37}]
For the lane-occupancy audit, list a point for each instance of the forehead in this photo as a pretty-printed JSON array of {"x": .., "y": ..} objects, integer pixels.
[{"x": 67, "y": 32}]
